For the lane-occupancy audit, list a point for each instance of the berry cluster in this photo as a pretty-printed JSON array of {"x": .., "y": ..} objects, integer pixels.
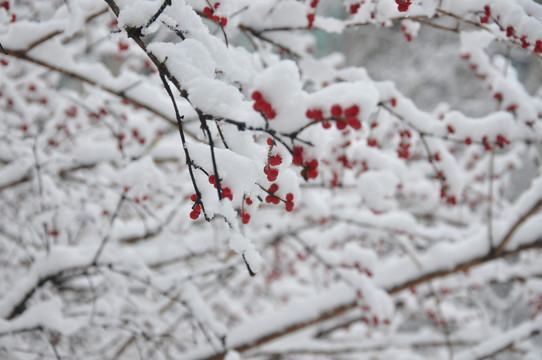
[
  {"x": 310, "y": 168},
  {"x": 451, "y": 200},
  {"x": 342, "y": 119},
  {"x": 196, "y": 208},
  {"x": 272, "y": 160},
  {"x": 404, "y": 146},
  {"x": 487, "y": 14},
  {"x": 310, "y": 16},
  {"x": 408, "y": 36},
  {"x": 71, "y": 112},
  {"x": 511, "y": 32},
  {"x": 210, "y": 13},
  {"x": 263, "y": 106},
  {"x": 271, "y": 198},
  {"x": 402, "y": 5},
  {"x": 354, "y": 8},
  {"x": 226, "y": 192},
  {"x": 245, "y": 217},
  {"x": 138, "y": 137}
]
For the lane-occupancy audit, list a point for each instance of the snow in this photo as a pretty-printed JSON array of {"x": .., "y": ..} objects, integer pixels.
[{"x": 370, "y": 224}]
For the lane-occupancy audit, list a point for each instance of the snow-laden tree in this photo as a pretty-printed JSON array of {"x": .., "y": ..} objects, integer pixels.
[{"x": 186, "y": 179}]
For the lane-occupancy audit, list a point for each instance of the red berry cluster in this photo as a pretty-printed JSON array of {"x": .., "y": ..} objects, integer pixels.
[
  {"x": 123, "y": 46},
  {"x": 210, "y": 13},
  {"x": 354, "y": 8},
  {"x": 310, "y": 168},
  {"x": 71, "y": 112},
  {"x": 408, "y": 36},
  {"x": 245, "y": 217},
  {"x": 451, "y": 200},
  {"x": 343, "y": 119},
  {"x": 226, "y": 192},
  {"x": 272, "y": 160},
  {"x": 402, "y": 5},
  {"x": 196, "y": 208},
  {"x": 372, "y": 142},
  {"x": 274, "y": 199},
  {"x": 487, "y": 14},
  {"x": 263, "y": 106},
  {"x": 310, "y": 18},
  {"x": 404, "y": 145},
  {"x": 501, "y": 141},
  {"x": 511, "y": 32}
]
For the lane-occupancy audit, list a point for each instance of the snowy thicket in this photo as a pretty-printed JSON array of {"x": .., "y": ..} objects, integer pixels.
[{"x": 185, "y": 179}]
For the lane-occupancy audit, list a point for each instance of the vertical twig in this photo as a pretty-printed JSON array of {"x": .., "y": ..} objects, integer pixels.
[
  {"x": 180, "y": 118},
  {"x": 490, "y": 200}
]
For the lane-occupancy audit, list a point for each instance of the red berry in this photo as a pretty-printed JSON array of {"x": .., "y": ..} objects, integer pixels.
[
  {"x": 217, "y": 5},
  {"x": 273, "y": 188},
  {"x": 4, "y": 62},
  {"x": 450, "y": 129},
  {"x": 336, "y": 110},
  {"x": 289, "y": 206},
  {"x": 212, "y": 179},
  {"x": 248, "y": 201},
  {"x": 246, "y": 218},
  {"x": 326, "y": 124},
  {"x": 352, "y": 111},
  {"x": 194, "y": 197},
  {"x": 524, "y": 43},
  {"x": 354, "y": 123},
  {"x": 289, "y": 197},
  {"x": 468, "y": 141},
  {"x": 341, "y": 125},
  {"x": 298, "y": 155},
  {"x": 393, "y": 102},
  {"x": 511, "y": 108},
  {"x": 275, "y": 160},
  {"x": 208, "y": 11},
  {"x": 314, "y": 3},
  {"x": 270, "y": 141},
  {"x": 538, "y": 47},
  {"x": 271, "y": 114},
  {"x": 194, "y": 215},
  {"x": 123, "y": 46},
  {"x": 53, "y": 232},
  {"x": 354, "y": 8},
  {"x": 24, "y": 128},
  {"x": 510, "y": 31},
  {"x": 310, "y": 18}
]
